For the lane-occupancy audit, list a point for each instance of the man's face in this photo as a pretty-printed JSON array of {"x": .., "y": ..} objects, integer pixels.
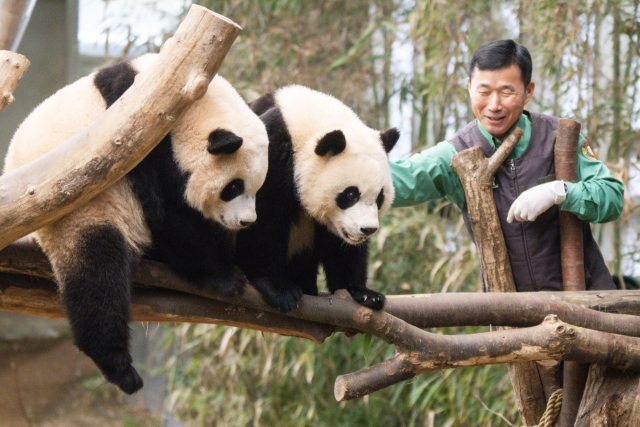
[{"x": 498, "y": 98}]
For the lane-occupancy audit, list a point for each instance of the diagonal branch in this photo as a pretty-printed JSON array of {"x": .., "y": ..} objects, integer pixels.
[{"x": 53, "y": 185}]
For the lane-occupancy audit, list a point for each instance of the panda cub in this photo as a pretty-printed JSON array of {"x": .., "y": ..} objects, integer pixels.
[
  {"x": 327, "y": 183},
  {"x": 181, "y": 205}
]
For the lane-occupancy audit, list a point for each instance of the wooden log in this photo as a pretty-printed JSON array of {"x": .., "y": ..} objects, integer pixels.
[
  {"x": 523, "y": 309},
  {"x": 48, "y": 188},
  {"x": 609, "y": 398},
  {"x": 552, "y": 339},
  {"x": 476, "y": 175},
  {"x": 39, "y": 297},
  {"x": 13, "y": 67},
  {"x": 14, "y": 17},
  {"x": 423, "y": 350},
  {"x": 572, "y": 259}
]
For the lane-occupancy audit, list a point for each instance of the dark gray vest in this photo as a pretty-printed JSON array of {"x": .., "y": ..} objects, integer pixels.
[{"x": 534, "y": 247}]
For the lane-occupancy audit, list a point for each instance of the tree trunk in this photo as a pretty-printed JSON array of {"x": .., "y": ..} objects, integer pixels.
[
  {"x": 476, "y": 174},
  {"x": 609, "y": 399},
  {"x": 53, "y": 185},
  {"x": 572, "y": 258},
  {"x": 14, "y": 17}
]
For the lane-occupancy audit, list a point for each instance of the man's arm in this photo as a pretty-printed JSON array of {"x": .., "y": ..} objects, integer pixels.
[
  {"x": 597, "y": 196},
  {"x": 426, "y": 176}
]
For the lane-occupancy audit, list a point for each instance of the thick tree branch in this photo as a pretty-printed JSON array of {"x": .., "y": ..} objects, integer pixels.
[
  {"x": 39, "y": 297},
  {"x": 14, "y": 17},
  {"x": 419, "y": 351},
  {"x": 13, "y": 67},
  {"x": 553, "y": 339},
  {"x": 70, "y": 175}
]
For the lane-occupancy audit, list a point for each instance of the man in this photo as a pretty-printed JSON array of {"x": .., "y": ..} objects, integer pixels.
[{"x": 528, "y": 197}]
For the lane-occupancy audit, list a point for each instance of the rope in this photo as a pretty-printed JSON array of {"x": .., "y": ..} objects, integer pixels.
[{"x": 553, "y": 409}]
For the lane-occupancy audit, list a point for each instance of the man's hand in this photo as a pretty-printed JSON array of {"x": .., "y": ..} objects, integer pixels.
[{"x": 536, "y": 200}]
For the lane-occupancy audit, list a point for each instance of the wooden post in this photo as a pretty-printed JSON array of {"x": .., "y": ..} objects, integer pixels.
[
  {"x": 14, "y": 17},
  {"x": 13, "y": 67},
  {"x": 476, "y": 174},
  {"x": 572, "y": 258},
  {"x": 53, "y": 185}
]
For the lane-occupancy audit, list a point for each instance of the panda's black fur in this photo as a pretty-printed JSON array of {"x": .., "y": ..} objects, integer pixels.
[
  {"x": 262, "y": 249},
  {"x": 95, "y": 272}
]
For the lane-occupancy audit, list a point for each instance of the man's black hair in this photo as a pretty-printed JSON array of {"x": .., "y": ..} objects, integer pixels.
[{"x": 501, "y": 54}]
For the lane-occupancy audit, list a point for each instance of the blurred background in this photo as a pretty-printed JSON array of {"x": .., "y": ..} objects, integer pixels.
[{"x": 397, "y": 63}]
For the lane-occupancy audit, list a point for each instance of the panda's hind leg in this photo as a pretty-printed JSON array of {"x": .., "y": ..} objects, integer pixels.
[
  {"x": 92, "y": 251},
  {"x": 95, "y": 287}
]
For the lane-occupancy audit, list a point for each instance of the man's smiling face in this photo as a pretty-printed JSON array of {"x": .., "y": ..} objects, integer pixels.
[{"x": 498, "y": 98}]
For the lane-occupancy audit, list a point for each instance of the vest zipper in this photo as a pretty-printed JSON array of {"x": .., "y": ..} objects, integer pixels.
[{"x": 524, "y": 237}]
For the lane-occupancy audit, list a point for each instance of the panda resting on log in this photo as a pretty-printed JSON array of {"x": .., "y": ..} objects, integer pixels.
[
  {"x": 327, "y": 183},
  {"x": 181, "y": 205}
]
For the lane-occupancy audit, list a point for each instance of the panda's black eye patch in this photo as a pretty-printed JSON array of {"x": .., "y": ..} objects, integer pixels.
[
  {"x": 232, "y": 190},
  {"x": 348, "y": 197},
  {"x": 380, "y": 199},
  {"x": 222, "y": 141}
]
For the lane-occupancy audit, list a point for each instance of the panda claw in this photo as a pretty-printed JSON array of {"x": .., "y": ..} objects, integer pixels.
[
  {"x": 369, "y": 298},
  {"x": 280, "y": 293}
]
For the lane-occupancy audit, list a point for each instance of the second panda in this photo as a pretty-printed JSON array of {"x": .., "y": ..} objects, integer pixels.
[{"x": 328, "y": 181}]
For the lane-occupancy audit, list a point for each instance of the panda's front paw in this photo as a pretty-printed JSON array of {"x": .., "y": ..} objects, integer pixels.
[
  {"x": 229, "y": 283},
  {"x": 368, "y": 298},
  {"x": 279, "y": 292}
]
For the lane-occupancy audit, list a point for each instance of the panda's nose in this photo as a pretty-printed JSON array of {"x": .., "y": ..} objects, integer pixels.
[
  {"x": 245, "y": 223},
  {"x": 368, "y": 231}
]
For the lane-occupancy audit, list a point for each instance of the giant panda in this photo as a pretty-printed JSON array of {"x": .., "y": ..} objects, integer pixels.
[
  {"x": 327, "y": 183},
  {"x": 181, "y": 205}
]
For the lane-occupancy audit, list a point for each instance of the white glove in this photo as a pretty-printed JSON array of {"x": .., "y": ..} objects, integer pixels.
[{"x": 536, "y": 200}]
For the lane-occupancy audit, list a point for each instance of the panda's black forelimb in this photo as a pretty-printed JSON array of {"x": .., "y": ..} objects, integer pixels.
[
  {"x": 96, "y": 293},
  {"x": 345, "y": 267}
]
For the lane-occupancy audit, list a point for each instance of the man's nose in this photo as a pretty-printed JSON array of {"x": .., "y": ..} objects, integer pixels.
[{"x": 495, "y": 103}]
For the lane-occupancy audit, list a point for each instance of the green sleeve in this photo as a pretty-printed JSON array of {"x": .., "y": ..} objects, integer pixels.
[
  {"x": 597, "y": 196},
  {"x": 425, "y": 176}
]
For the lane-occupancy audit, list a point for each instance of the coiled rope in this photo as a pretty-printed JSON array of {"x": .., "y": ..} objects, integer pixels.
[{"x": 553, "y": 409}]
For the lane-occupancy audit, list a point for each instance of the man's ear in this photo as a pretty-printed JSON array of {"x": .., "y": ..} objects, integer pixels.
[
  {"x": 333, "y": 142},
  {"x": 529, "y": 92}
]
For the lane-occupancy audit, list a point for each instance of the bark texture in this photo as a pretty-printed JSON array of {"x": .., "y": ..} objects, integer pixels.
[
  {"x": 25, "y": 286},
  {"x": 572, "y": 259},
  {"x": 476, "y": 175},
  {"x": 14, "y": 16},
  {"x": 13, "y": 67},
  {"x": 70, "y": 175}
]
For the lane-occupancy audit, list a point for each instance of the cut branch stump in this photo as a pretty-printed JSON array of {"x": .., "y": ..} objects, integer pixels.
[{"x": 13, "y": 67}]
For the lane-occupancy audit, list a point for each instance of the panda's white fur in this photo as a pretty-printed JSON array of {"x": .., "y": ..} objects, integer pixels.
[
  {"x": 363, "y": 163},
  {"x": 81, "y": 245},
  {"x": 327, "y": 184}
]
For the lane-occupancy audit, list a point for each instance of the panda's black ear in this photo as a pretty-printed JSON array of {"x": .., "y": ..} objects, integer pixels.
[
  {"x": 334, "y": 141},
  {"x": 389, "y": 138},
  {"x": 223, "y": 142}
]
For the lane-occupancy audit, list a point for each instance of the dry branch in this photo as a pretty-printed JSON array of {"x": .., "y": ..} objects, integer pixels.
[
  {"x": 39, "y": 297},
  {"x": 70, "y": 175},
  {"x": 476, "y": 174},
  {"x": 420, "y": 351},
  {"x": 14, "y": 17},
  {"x": 523, "y": 309},
  {"x": 13, "y": 67}
]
